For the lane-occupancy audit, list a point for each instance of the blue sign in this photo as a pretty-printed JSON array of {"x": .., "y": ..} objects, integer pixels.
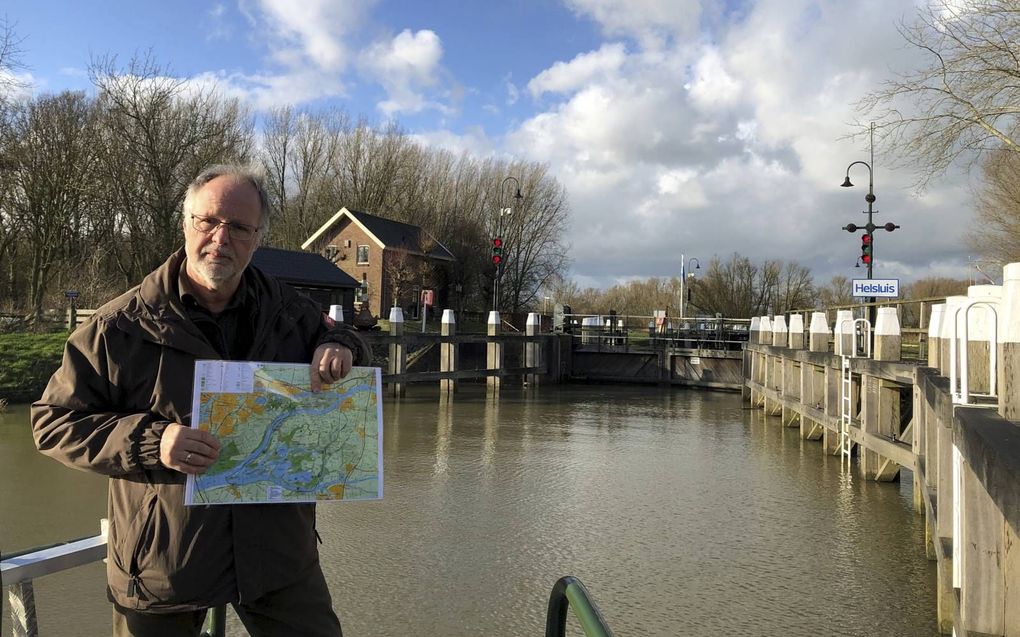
[{"x": 882, "y": 288}]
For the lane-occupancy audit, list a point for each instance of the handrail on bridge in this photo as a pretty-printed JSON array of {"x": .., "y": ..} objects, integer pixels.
[
  {"x": 569, "y": 591},
  {"x": 19, "y": 570}
]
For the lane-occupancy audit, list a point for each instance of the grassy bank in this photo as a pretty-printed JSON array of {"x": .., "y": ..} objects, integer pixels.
[{"x": 26, "y": 363}]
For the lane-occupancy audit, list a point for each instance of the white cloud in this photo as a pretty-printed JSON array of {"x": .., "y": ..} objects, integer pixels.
[
  {"x": 315, "y": 30},
  {"x": 566, "y": 77},
  {"x": 712, "y": 86},
  {"x": 405, "y": 66},
  {"x": 731, "y": 140},
  {"x": 651, "y": 22}
]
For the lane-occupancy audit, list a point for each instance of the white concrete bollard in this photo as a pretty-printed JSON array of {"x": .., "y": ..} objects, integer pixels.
[
  {"x": 888, "y": 338},
  {"x": 796, "y": 329},
  {"x": 765, "y": 331},
  {"x": 448, "y": 352},
  {"x": 981, "y": 329},
  {"x": 494, "y": 351},
  {"x": 946, "y": 343},
  {"x": 532, "y": 351},
  {"x": 819, "y": 333},
  {"x": 398, "y": 351},
  {"x": 752, "y": 335},
  {"x": 1009, "y": 344},
  {"x": 843, "y": 332},
  {"x": 934, "y": 340},
  {"x": 336, "y": 312},
  {"x": 779, "y": 331}
]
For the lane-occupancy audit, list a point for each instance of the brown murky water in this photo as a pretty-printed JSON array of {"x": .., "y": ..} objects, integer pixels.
[{"x": 683, "y": 514}]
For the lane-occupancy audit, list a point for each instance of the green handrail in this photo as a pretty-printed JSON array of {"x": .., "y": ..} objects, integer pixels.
[{"x": 569, "y": 591}]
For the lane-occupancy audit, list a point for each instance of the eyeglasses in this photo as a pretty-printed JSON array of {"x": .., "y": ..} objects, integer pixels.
[{"x": 238, "y": 231}]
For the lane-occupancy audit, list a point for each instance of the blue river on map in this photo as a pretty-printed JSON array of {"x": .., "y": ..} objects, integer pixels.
[{"x": 277, "y": 470}]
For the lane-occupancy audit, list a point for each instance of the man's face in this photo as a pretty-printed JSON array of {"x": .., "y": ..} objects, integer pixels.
[{"x": 215, "y": 259}]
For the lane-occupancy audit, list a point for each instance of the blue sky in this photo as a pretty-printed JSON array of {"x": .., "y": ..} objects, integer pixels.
[{"x": 677, "y": 126}]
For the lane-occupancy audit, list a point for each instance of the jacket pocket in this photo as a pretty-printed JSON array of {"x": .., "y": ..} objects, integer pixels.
[{"x": 132, "y": 543}]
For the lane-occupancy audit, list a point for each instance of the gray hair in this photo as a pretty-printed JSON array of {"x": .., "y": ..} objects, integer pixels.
[{"x": 252, "y": 175}]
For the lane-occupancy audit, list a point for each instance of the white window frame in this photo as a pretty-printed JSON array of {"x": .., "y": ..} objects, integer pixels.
[{"x": 360, "y": 246}]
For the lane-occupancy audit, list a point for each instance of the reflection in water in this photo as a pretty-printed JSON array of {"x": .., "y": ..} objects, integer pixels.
[
  {"x": 444, "y": 429},
  {"x": 682, "y": 512}
]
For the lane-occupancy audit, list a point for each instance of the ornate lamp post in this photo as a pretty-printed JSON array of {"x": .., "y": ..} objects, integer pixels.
[
  {"x": 498, "y": 258},
  {"x": 868, "y": 238}
]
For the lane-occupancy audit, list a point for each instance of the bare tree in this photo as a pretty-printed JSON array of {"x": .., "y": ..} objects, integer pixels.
[
  {"x": 157, "y": 132},
  {"x": 738, "y": 288},
  {"x": 836, "y": 292},
  {"x": 299, "y": 153},
  {"x": 965, "y": 102},
  {"x": 996, "y": 233},
  {"x": 10, "y": 61},
  {"x": 53, "y": 160}
]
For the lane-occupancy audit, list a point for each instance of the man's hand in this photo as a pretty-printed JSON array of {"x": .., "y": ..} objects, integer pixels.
[
  {"x": 188, "y": 450},
  {"x": 330, "y": 363}
]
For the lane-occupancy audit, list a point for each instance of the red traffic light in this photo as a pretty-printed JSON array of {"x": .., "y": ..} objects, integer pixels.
[
  {"x": 496, "y": 259},
  {"x": 866, "y": 259},
  {"x": 865, "y": 239},
  {"x": 497, "y": 243}
]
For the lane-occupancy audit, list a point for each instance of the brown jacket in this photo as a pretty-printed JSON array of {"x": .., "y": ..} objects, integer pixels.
[{"x": 125, "y": 376}]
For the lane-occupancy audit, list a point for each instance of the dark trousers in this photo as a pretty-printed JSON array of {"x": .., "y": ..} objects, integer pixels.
[{"x": 303, "y": 608}]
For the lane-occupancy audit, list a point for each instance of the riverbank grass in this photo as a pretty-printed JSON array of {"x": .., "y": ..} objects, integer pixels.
[{"x": 26, "y": 363}]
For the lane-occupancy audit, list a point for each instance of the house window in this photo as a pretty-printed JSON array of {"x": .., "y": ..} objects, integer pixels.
[
  {"x": 347, "y": 243},
  {"x": 362, "y": 254}
]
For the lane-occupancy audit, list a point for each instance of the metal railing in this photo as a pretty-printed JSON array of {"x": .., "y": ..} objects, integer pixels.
[
  {"x": 570, "y": 592},
  {"x": 614, "y": 332},
  {"x": 18, "y": 572}
]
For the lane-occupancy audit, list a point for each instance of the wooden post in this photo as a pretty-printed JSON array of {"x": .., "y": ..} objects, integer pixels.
[
  {"x": 979, "y": 336},
  {"x": 880, "y": 409},
  {"x": 1008, "y": 359},
  {"x": 448, "y": 353},
  {"x": 934, "y": 342},
  {"x": 532, "y": 351},
  {"x": 398, "y": 351},
  {"x": 493, "y": 352},
  {"x": 751, "y": 359},
  {"x": 779, "y": 338},
  {"x": 752, "y": 336},
  {"x": 843, "y": 332},
  {"x": 818, "y": 333},
  {"x": 767, "y": 371},
  {"x": 796, "y": 332},
  {"x": 949, "y": 316}
]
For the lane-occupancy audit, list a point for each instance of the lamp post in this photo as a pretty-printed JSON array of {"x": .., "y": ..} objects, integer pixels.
[
  {"x": 684, "y": 268},
  {"x": 868, "y": 238},
  {"x": 499, "y": 260}
]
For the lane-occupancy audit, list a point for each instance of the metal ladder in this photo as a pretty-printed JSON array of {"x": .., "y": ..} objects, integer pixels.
[
  {"x": 846, "y": 388},
  {"x": 858, "y": 327}
]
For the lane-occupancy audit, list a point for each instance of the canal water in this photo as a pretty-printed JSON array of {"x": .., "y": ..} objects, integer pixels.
[{"x": 681, "y": 511}]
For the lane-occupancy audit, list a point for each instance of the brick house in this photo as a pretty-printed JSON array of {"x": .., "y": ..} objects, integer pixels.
[{"x": 392, "y": 261}]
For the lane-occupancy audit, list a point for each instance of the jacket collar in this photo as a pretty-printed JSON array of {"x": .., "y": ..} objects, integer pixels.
[{"x": 160, "y": 314}]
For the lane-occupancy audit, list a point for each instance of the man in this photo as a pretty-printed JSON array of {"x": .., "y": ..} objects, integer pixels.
[{"x": 120, "y": 405}]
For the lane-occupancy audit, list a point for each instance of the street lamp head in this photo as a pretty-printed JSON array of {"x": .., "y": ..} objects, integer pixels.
[
  {"x": 518, "y": 196},
  {"x": 846, "y": 182}
]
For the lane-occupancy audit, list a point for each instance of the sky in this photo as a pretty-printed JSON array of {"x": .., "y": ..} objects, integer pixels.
[{"x": 682, "y": 130}]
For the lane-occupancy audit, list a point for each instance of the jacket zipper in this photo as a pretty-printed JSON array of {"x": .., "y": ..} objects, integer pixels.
[{"x": 134, "y": 572}]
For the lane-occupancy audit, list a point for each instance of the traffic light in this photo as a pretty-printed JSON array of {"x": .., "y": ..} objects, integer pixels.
[
  {"x": 497, "y": 250},
  {"x": 866, "y": 248}
]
